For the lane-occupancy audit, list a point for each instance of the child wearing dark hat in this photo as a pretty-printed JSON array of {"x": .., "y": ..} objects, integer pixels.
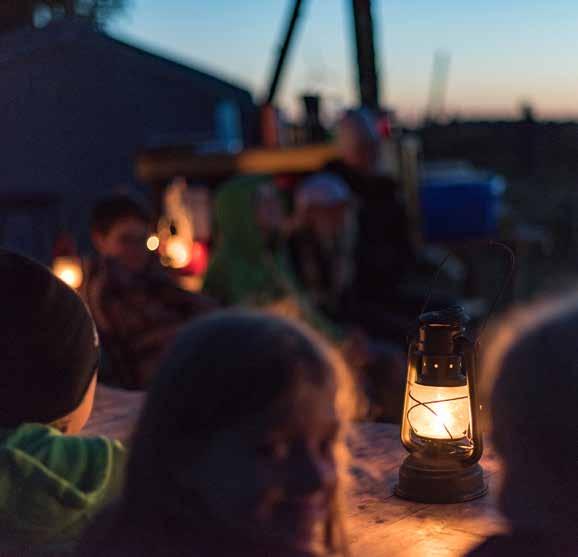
[
  {"x": 531, "y": 377},
  {"x": 51, "y": 482}
]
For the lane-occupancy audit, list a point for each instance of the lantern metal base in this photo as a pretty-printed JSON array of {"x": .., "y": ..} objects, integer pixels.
[{"x": 439, "y": 480}]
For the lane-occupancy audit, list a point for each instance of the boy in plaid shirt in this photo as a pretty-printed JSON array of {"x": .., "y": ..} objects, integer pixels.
[{"x": 137, "y": 307}]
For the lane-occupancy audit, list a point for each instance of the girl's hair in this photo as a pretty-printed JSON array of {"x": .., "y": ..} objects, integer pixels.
[
  {"x": 529, "y": 379},
  {"x": 223, "y": 368}
]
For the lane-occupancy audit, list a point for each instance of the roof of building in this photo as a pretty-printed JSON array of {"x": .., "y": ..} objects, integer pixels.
[{"x": 29, "y": 41}]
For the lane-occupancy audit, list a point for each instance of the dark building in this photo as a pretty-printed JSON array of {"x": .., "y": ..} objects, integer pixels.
[{"x": 76, "y": 106}]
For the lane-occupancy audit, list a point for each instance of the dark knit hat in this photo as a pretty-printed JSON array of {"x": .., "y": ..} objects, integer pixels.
[{"x": 48, "y": 344}]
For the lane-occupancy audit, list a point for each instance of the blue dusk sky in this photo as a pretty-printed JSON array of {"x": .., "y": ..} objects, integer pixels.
[{"x": 503, "y": 52}]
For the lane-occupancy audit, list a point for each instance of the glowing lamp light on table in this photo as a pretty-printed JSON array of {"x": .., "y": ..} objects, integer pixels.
[
  {"x": 69, "y": 270},
  {"x": 440, "y": 423}
]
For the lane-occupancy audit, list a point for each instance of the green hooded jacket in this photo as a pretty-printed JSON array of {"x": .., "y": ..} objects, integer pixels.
[
  {"x": 51, "y": 486},
  {"x": 244, "y": 270}
]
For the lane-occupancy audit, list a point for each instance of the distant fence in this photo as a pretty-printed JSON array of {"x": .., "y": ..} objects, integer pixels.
[{"x": 516, "y": 148}]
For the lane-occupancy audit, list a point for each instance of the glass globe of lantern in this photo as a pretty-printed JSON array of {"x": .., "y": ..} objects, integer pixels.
[{"x": 441, "y": 413}]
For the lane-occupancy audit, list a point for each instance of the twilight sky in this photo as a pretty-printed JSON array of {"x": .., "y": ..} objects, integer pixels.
[{"x": 503, "y": 52}]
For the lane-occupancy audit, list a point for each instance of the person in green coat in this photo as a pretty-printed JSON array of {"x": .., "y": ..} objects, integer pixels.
[
  {"x": 52, "y": 482},
  {"x": 250, "y": 266}
]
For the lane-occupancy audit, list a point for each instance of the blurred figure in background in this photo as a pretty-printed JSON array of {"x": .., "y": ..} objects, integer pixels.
[
  {"x": 136, "y": 305},
  {"x": 385, "y": 259},
  {"x": 322, "y": 244},
  {"x": 323, "y": 238},
  {"x": 530, "y": 375},
  {"x": 239, "y": 450},
  {"x": 251, "y": 267},
  {"x": 384, "y": 252}
]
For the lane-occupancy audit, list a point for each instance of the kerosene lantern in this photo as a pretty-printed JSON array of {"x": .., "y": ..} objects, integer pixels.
[{"x": 440, "y": 423}]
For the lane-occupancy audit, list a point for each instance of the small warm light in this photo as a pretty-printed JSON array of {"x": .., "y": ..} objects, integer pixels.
[
  {"x": 439, "y": 412},
  {"x": 436, "y": 366},
  {"x": 153, "y": 242},
  {"x": 69, "y": 270},
  {"x": 178, "y": 251}
]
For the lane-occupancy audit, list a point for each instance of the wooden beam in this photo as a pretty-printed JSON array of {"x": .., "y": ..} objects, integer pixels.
[{"x": 162, "y": 165}]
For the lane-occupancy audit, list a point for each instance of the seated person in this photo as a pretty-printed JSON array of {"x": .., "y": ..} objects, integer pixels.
[
  {"x": 531, "y": 373},
  {"x": 385, "y": 258},
  {"x": 256, "y": 408},
  {"x": 384, "y": 251},
  {"x": 251, "y": 267},
  {"x": 51, "y": 482},
  {"x": 321, "y": 244},
  {"x": 138, "y": 309}
]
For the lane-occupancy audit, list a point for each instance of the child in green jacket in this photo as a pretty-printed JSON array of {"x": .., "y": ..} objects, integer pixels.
[{"x": 51, "y": 482}]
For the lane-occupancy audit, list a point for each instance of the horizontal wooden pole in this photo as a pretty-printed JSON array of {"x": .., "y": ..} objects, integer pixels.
[{"x": 161, "y": 165}]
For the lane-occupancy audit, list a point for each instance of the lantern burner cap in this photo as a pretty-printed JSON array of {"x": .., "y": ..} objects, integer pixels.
[
  {"x": 439, "y": 329},
  {"x": 454, "y": 316}
]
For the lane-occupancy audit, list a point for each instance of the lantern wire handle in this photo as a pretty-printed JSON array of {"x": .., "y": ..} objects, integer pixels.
[
  {"x": 505, "y": 282},
  {"x": 432, "y": 284},
  {"x": 498, "y": 296},
  {"x": 429, "y": 295}
]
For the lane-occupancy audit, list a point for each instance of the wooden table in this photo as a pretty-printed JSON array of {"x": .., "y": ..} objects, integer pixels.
[
  {"x": 379, "y": 524},
  {"x": 382, "y": 525}
]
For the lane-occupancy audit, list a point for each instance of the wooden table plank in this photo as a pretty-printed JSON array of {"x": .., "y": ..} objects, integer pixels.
[
  {"x": 114, "y": 414},
  {"x": 378, "y": 522}
]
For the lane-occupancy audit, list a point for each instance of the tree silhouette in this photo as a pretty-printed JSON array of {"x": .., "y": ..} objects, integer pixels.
[{"x": 21, "y": 13}]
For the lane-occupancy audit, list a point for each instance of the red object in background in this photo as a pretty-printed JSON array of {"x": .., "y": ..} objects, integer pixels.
[
  {"x": 286, "y": 181},
  {"x": 199, "y": 259},
  {"x": 384, "y": 127}
]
